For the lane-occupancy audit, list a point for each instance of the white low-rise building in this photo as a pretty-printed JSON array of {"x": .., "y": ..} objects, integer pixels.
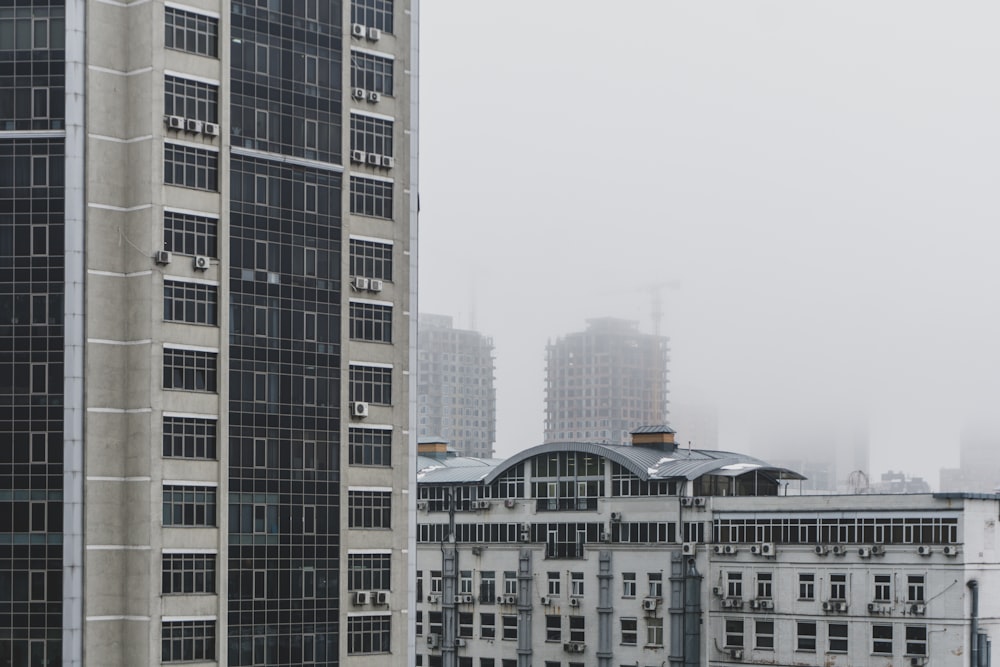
[{"x": 581, "y": 554}]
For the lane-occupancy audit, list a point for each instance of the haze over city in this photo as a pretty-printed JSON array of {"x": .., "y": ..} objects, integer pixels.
[{"x": 818, "y": 180}]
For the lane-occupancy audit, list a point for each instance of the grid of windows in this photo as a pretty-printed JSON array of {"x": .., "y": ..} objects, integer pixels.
[
  {"x": 369, "y": 446},
  {"x": 371, "y": 72},
  {"x": 371, "y": 197},
  {"x": 371, "y": 135},
  {"x": 194, "y": 303},
  {"x": 371, "y": 384},
  {"x": 371, "y": 321},
  {"x": 861, "y": 529},
  {"x": 371, "y": 259},
  {"x": 187, "y": 641},
  {"x": 191, "y": 32},
  {"x": 190, "y": 99},
  {"x": 189, "y": 437},
  {"x": 188, "y": 573},
  {"x": 369, "y": 572},
  {"x": 368, "y": 633},
  {"x": 32, "y": 72},
  {"x": 369, "y": 509},
  {"x": 373, "y": 14},
  {"x": 190, "y": 234},
  {"x": 190, "y": 167},
  {"x": 188, "y": 505},
  {"x": 189, "y": 370}
]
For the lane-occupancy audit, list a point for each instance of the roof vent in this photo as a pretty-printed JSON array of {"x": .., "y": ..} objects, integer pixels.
[{"x": 659, "y": 436}]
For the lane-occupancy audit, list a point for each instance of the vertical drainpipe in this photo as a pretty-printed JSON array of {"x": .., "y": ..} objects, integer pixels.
[
  {"x": 604, "y": 609},
  {"x": 692, "y": 615},
  {"x": 974, "y": 624}
]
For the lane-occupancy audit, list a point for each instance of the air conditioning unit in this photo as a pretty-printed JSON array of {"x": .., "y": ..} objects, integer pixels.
[
  {"x": 357, "y": 30},
  {"x": 686, "y": 501},
  {"x": 459, "y": 642},
  {"x": 918, "y": 609},
  {"x": 842, "y": 607},
  {"x": 689, "y": 548},
  {"x": 950, "y": 551},
  {"x": 477, "y": 551},
  {"x": 201, "y": 262},
  {"x": 212, "y": 129},
  {"x": 467, "y": 598},
  {"x": 359, "y": 409},
  {"x": 878, "y": 550},
  {"x": 821, "y": 549},
  {"x": 174, "y": 122},
  {"x": 388, "y": 162},
  {"x": 605, "y": 536},
  {"x": 192, "y": 125},
  {"x": 650, "y": 604},
  {"x": 729, "y": 550},
  {"x": 374, "y": 34},
  {"x": 477, "y": 504},
  {"x": 433, "y": 641},
  {"x": 924, "y": 550},
  {"x": 361, "y": 598},
  {"x": 374, "y": 159},
  {"x": 361, "y": 283},
  {"x": 828, "y": 606},
  {"x": 918, "y": 661},
  {"x": 736, "y": 653},
  {"x": 700, "y": 502},
  {"x": 525, "y": 536},
  {"x": 767, "y": 549},
  {"x": 838, "y": 550},
  {"x": 510, "y": 598},
  {"x": 767, "y": 604},
  {"x": 755, "y": 604},
  {"x": 717, "y": 591},
  {"x": 574, "y": 602},
  {"x": 376, "y": 285},
  {"x": 525, "y": 527},
  {"x": 373, "y": 97},
  {"x": 732, "y": 603},
  {"x": 381, "y": 597},
  {"x": 501, "y": 599},
  {"x": 357, "y": 156},
  {"x": 873, "y": 608},
  {"x": 865, "y": 552},
  {"x": 546, "y": 601},
  {"x": 755, "y": 549},
  {"x": 573, "y": 647},
  {"x": 616, "y": 517},
  {"x": 358, "y": 93},
  {"x": 718, "y": 549},
  {"x": 422, "y": 505},
  {"x": 510, "y": 503},
  {"x": 434, "y": 598},
  {"x": 162, "y": 257}
]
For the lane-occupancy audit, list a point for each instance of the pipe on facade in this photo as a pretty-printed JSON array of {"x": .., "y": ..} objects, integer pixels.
[{"x": 974, "y": 624}]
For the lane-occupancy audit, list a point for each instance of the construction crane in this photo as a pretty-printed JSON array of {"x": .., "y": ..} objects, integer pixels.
[{"x": 656, "y": 296}]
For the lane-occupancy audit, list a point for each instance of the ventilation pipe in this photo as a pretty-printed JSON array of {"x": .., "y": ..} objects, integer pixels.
[{"x": 974, "y": 624}]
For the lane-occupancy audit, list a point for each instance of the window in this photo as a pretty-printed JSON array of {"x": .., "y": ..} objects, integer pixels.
[
  {"x": 509, "y": 626},
  {"x": 576, "y": 584},
  {"x": 487, "y": 626},
  {"x": 190, "y": 99},
  {"x": 654, "y": 631},
  {"x": 883, "y": 588},
  {"x": 577, "y": 632},
  {"x": 434, "y": 622},
  {"x": 190, "y": 167},
  {"x": 764, "y": 586},
  {"x": 510, "y": 582},
  {"x": 371, "y": 197},
  {"x": 368, "y": 571},
  {"x": 838, "y": 586},
  {"x": 189, "y": 437},
  {"x": 368, "y": 446},
  {"x": 555, "y": 583},
  {"x": 436, "y": 581},
  {"x": 369, "y": 509},
  {"x": 194, "y": 33},
  {"x": 465, "y": 582},
  {"x": 371, "y": 321},
  {"x": 628, "y": 584},
  {"x": 187, "y": 573},
  {"x": 39, "y": 171},
  {"x": 368, "y": 633},
  {"x": 734, "y": 584},
  {"x": 487, "y": 586},
  {"x": 189, "y": 234},
  {"x": 188, "y": 505},
  {"x": 371, "y": 72},
  {"x": 655, "y": 584},
  {"x": 373, "y": 14},
  {"x": 882, "y": 639},
  {"x": 915, "y": 588},
  {"x": 371, "y": 259},
  {"x": 553, "y": 628},
  {"x": 734, "y": 633},
  {"x": 764, "y": 635},
  {"x": 837, "y": 635},
  {"x": 465, "y": 623},
  {"x": 189, "y": 370},
  {"x": 371, "y": 135},
  {"x": 916, "y": 640},
  {"x": 630, "y": 631},
  {"x": 187, "y": 641},
  {"x": 39, "y": 378},
  {"x": 371, "y": 384},
  {"x": 194, "y": 303},
  {"x": 805, "y": 633},
  {"x": 807, "y": 586}
]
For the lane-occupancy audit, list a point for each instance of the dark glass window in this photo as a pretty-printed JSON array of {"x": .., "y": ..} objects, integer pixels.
[
  {"x": 188, "y": 573},
  {"x": 371, "y": 197},
  {"x": 373, "y": 14},
  {"x": 189, "y": 370},
  {"x": 189, "y": 437},
  {"x": 371, "y": 72},
  {"x": 190, "y": 167},
  {"x": 371, "y": 321},
  {"x": 371, "y": 259},
  {"x": 190, "y": 99},
  {"x": 188, "y": 641},
  {"x": 369, "y": 572},
  {"x": 371, "y": 135},
  {"x": 190, "y": 234},
  {"x": 369, "y": 509},
  {"x": 191, "y": 32},
  {"x": 194, "y": 303},
  {"x": 188, "y": 505},
  {"x": 369, "y": 446},
  {"x": 368, "y": 633},
  {"x": 371, "y": 384}
]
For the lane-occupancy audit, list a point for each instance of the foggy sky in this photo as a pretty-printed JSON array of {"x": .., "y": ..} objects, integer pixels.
[{"x": 820, "y": 176}]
